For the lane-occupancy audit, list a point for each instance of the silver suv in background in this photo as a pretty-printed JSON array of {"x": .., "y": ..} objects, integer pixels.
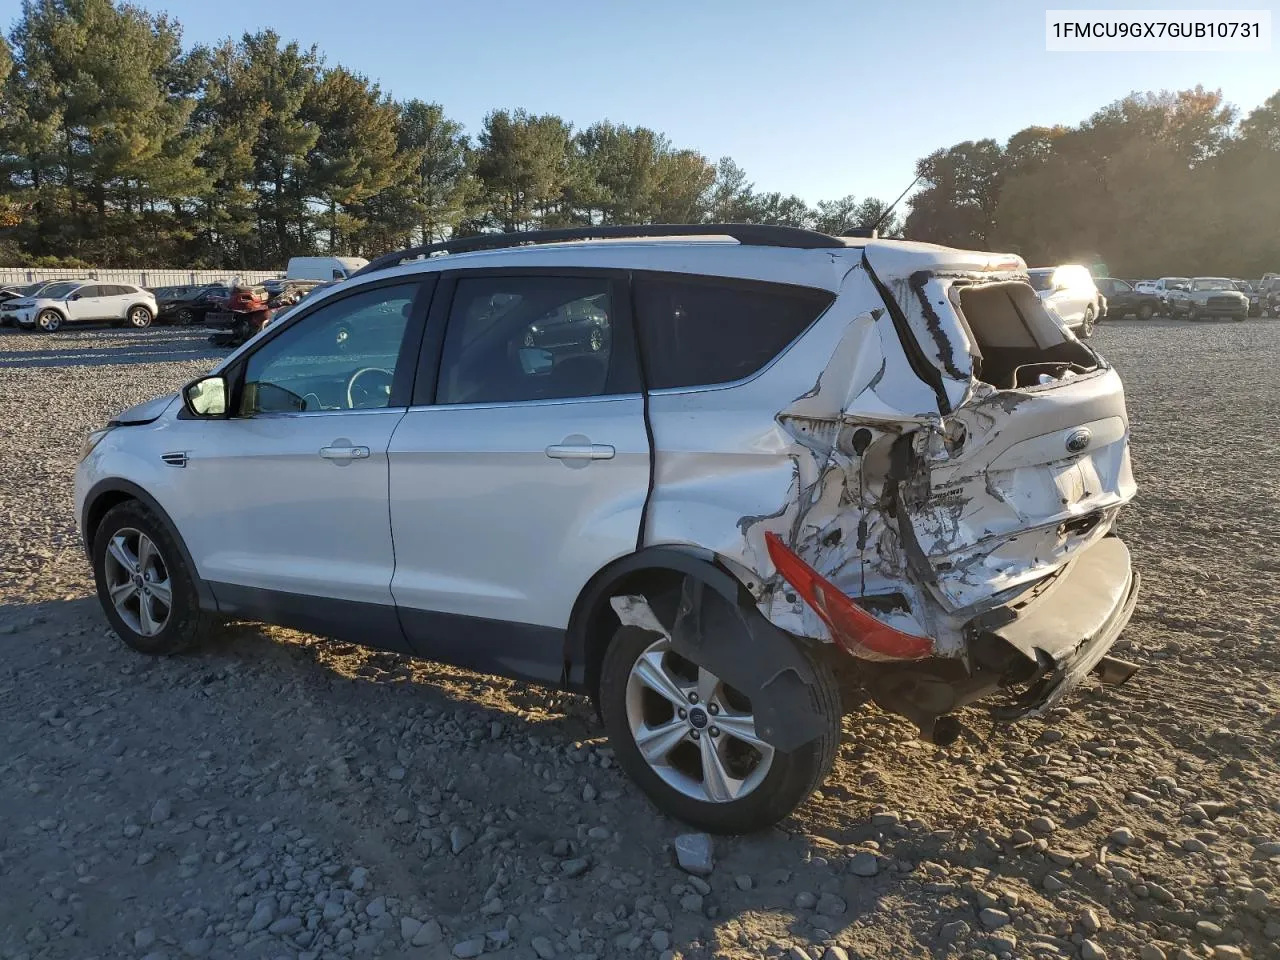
[
  {"x": 1070, "y": 290},
  {"x": 75, "y": 301},
  {"x": 710, "y": 475}
]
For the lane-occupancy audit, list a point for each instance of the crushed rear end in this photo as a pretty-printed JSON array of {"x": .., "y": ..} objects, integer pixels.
[{"x": 959, "y": 468}]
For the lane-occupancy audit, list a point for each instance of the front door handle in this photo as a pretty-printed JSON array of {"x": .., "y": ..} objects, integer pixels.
[
  {"x": 345, "y": 453},
  {"x": 580, "y": 451}
]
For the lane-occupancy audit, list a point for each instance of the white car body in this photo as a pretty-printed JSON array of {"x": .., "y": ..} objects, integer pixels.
[
  {"x": 323, "y": 269},
  {"x": 1145, "y": 286},
  {"x": 934, "y": 438},
  {"x": 1070, "y": 290},
  {"x": 83, "y": 301},
  {"x": 1162, "y": 287}
]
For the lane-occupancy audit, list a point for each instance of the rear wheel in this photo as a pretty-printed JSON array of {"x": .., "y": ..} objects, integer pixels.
[
  {"x": 144, "y": 586},
  {"x": 689, "y": 740},
  {"x": 139, "y": 317},
  {"x": 184, "y": 317},
  {"x": 1192, "y": 313},
  {"x": 50, "y": 321}
]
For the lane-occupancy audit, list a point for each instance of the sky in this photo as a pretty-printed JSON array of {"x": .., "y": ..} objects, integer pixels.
[{"x": 819, "y": 98}]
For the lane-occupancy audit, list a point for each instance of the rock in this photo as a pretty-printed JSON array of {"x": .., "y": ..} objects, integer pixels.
[
  {"x": 285, "y": 926},
  {"x": 1149, "y": 951},
  {"x": 743, "y": 881},
  {"x": 955, "y": 930},
  {"x": 1266, "y": 851},
  {"x": 660, "y": 940},
  {"x": 161, "y": 810},
  {"x": 1042, "y": 825},
  {"x": 588, "y": 794},
  {"x": 694, "y": 853},
  {"x": 144, "y": 938},
  {"x": 459, "y": 839},
  {"x": 864, "y": 864},
  {"x": 262, "y": 917},
  {"x": 1208, "y": 929},
  {"x": 543, "y": 948},
  {"x": 575, "y": 867},
  {"x": 835, "y": 952},
  {"x": 1258, "y": 901},
  {"x": 377, "y": 907},
  {"x": 1091, "y": 951},
  {"x": 993, "y": 919},
  {"x": 691, "y": 903},
  {"x": 1089, "y": 921},
  {"x": 798, "y": 953},
  {"x": 197, "y": 948},
  {"x": 1194, "y": 845},
  {"x": 829, "y": 905},
  {"x": 1226, "y": 952},
  {"x": 1053, "y": 883},
  {"x": 1122, "y": 836},
  {"x": 805, "y": 900},
  {"x": 428, "y": 934},
  {"x": 1020, "y": 837},
  {"x": 466, "y": 949},
  {"x": 700, "y": 885},
  {"x": 409, "y": 928},
  {"x": 402, "y": 815},
  {"x": 491, "y": 908},
  {"x": 359, "y": 878}
]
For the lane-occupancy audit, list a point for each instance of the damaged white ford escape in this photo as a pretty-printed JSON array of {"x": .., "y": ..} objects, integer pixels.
[{"x": 729, "y": 480}]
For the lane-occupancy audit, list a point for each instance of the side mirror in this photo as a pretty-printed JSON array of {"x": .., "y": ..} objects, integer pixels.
[{"x": 206, "y": 397}]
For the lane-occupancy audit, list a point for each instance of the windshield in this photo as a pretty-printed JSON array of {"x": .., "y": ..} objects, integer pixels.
[
  {"x": 58, "y": 290},
  {"x": 1041, "y": 279},
  {"x": 1244, "y": 286},
  {"x": 1212, "y": 283}
]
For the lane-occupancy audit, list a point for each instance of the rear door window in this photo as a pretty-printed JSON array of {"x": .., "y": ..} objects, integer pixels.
[
  {"x": 521, "y": 338},
  {"x": 697, "y": 331}
]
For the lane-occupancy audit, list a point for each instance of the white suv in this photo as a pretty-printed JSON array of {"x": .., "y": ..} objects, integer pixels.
[
  {"x": 1070, "y": 290},
  {"x": 84, "y": 300},
  {"x": 749, "y": 461}
]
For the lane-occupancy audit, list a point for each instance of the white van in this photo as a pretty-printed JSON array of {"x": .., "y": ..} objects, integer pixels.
[{"x": 323, "y": 269}]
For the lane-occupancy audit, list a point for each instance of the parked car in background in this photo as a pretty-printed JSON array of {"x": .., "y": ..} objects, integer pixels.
[
  {"x": 323, "y": 269},
  {"x": 1124, "y": 300},
  {"x": 404, "y": 466},
  {"x": 1269, "y": 295},
  {"x": 1070, "y": 290},
  {"x": 77, "y": 301},
  {"x": 189, "y": 305},
  {"x": 1164, "y": 285},
  {"x": 24, "y": 291},
  {"x": 1250, "y": 291},
  {"x": 1204, "y": 297},
  {"x": 1145, "y": 286}
]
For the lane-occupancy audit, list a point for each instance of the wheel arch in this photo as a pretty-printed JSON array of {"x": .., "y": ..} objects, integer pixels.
[
  {"x": 648, "y": 571},
  {"x": 109, "y": 493}
]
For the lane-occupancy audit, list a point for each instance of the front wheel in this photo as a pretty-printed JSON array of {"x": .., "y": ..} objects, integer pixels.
[
  {"x": 1146, "y": 311},
  {"x": 184, "y": 317},
  {"x": 689, "y": 740},
  {"x": 1086, "y": 325},
  {"x": 50, "y": 321},
  {"x": 144, "y": 586},
  {"x": 139, "y": 317}
]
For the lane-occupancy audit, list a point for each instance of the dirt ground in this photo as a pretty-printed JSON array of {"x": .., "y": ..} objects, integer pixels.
[{"x": 276, "y": 795}]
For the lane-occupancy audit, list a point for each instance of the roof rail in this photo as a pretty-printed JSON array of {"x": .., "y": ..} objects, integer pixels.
[{"x": 748, "y": 234}]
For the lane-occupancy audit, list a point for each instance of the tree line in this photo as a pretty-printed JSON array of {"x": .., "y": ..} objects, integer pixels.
[{"x": 121, "y": 147}]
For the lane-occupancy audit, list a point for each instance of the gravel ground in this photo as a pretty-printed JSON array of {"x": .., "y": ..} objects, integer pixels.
[{"x": 282, "y": 796}]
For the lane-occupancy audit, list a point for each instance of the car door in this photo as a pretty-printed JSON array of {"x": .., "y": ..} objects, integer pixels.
[
  {"x": 82, "y": 304},
  {"x": 286, "y": 508},
  {"x": 520, "y": 470}
]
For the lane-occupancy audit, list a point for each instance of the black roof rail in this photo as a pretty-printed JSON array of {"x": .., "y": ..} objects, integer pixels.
[{"x": 749, "y": 234}]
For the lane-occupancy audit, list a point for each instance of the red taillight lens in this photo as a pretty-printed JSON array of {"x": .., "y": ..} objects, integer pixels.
[{"x": 857, "y": 631}]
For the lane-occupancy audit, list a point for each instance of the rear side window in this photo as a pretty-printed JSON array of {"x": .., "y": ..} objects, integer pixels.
[{"x": 700, "y": 331}]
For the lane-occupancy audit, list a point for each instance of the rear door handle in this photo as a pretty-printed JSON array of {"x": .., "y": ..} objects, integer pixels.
[
  {"x": 580, "y": 451},
  {"x": 345, "y": 454}
]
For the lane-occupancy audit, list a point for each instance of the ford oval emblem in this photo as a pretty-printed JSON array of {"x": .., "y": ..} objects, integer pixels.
[{"x": 1079, "y": 440}]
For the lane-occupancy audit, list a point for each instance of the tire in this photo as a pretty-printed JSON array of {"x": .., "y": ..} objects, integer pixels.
[
  {"x": 184, "y": 624},
  {"x": 49, "y": 321},
  {"x": 184, "y": 318},
  {"x": 1086, "y": 325},
  {"x": 1193, "y": 314},
  {"x": 1146, "y": 311},
  {"x": 785, "y": 782},
  {"x": 140, "y": 317}
]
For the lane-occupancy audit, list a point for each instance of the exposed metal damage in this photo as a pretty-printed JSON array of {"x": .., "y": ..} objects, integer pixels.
[{"x": 910, "y": 509}]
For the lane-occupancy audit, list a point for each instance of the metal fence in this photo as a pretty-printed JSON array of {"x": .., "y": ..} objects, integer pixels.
[{"x": 159, "y": 277}]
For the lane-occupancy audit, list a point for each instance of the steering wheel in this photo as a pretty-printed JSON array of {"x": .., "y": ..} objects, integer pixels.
[{"x": 368, "y": 387}]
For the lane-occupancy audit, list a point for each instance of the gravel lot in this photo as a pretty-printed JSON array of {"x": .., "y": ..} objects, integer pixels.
[{"x": 282, "y": 796}]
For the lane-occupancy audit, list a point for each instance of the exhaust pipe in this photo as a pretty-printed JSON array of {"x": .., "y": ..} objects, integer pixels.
[{"x": 1113, "y": 671}]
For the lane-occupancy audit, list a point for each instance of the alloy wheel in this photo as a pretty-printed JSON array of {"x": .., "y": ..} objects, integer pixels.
[
  {"x": 140, "y": 317},
  {"x": 695, "y": 732},
  {"x": 138, "y": 582}
]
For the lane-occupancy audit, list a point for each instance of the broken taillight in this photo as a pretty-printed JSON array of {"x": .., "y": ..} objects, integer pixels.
[{"x": 854, "y": 629}]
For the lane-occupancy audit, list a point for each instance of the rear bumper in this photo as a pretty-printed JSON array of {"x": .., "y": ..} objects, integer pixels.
[{"x": 1068, "y": 628}]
